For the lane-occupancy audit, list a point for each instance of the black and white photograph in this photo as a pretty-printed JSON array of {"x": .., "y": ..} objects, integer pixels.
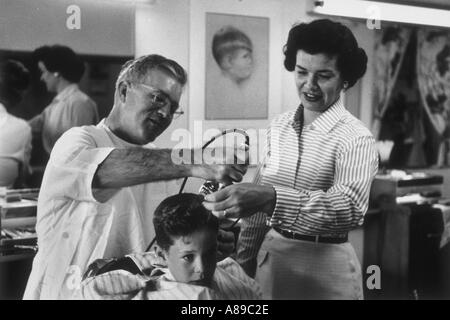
[{"x": 251, "y": 152}]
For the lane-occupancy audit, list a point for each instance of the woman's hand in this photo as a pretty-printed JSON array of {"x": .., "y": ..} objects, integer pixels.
[{"x": 241, "y": 200}]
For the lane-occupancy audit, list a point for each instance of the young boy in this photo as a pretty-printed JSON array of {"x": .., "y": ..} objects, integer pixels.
[
  {"x": 233, "y": 51},
  {"x": 182, "y": 267}
]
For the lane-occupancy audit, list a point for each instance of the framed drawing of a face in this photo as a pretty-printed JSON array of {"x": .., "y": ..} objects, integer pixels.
[
  {"x": 236, "y": 67},
  {"x": 235, "y": 64}
]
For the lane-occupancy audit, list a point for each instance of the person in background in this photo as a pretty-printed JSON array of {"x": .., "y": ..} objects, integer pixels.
[
  {"x": 15, "y": 133},
  {"x": 313, "y": 187},
  {"x": 61, "y": 71},
  {"x": 96, "y": 199},
  {"x": 184, "y": 265}
]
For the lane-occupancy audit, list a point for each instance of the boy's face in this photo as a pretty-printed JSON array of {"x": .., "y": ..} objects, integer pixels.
[
  {"x": 241, "y": 64},
  {"x": 192, "y": 259}
]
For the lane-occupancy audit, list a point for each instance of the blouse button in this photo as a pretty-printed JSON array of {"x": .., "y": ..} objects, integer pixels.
[{"x": 65, "y": 235}]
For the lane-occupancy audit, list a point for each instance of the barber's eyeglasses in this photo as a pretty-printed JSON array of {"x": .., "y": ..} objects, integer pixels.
[{"x": 160, "y": 100}]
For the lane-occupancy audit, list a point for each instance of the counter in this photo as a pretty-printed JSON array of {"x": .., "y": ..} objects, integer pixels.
[{"x": 18, "y": 243}]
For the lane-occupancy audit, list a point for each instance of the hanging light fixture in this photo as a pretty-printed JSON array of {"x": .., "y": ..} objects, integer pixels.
[{"x": 382, "y": 11}]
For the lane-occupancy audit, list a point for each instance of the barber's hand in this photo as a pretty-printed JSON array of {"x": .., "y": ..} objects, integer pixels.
[
  {"x": 225, "y": 165},
  {"x": 241, "y": 200},
  {"x": 225, "y": 244}
]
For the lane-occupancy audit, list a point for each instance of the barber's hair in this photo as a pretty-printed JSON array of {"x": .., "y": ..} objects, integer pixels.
[
  {"x": 181, "y": 215},
  {"x": 61, "y": 59},
  {"x": 227, "y": 40},
  {"x": 135, "y": 70},
  {"x": 14, "y": 80},
  {"x": 330, "y": 38}
]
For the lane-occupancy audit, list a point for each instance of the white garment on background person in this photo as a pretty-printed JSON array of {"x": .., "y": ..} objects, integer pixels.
[
  {"x": 70, "y": 108},
  {"x": 15, "y": 147}
]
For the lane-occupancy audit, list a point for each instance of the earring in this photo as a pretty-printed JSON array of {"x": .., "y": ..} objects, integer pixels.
[{"x": 345, "y": 84}]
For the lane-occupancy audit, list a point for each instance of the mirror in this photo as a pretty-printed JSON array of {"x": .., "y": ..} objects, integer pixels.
[{"x": 100, "y": 32}]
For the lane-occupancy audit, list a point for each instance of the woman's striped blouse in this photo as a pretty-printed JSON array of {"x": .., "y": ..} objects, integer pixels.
[{"x": 321, "y": 174}]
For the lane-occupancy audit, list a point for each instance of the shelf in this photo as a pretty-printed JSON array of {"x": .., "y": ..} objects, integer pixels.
[
  {"x": 18, "y": 209},
  {"x": 18, "y": 255}
]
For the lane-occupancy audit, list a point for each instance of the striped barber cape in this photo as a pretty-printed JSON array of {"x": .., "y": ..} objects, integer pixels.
[{"x": 153, "y": 281}]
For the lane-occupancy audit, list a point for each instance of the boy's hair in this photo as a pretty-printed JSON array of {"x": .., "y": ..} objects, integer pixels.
[
  {"x": 181, "y": 215},
  {"x": 227, "y": 40},
  {"x": 62, "y": 59}
]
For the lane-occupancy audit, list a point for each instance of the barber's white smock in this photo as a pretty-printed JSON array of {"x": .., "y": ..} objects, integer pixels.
[{"x": 74, "y": 228}]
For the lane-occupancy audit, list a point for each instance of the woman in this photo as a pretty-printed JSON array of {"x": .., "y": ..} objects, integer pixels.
[
  {"x": 61, "y": 70},
  {"x": 15, "y": 133},
  {"x": 314, "y": 187}
]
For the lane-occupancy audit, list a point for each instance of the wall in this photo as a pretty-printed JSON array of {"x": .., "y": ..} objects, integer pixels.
[
  {"x": 106, "y": 27},
  {"x": 163, "y": 28},
  {"x": 366, "y": 40}
]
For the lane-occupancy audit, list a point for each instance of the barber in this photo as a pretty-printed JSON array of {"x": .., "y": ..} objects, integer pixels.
[{"x": 95, "y": 199}]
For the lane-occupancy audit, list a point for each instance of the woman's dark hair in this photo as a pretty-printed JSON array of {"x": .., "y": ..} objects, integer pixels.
[
  {"x": 330, "y": 38},
  {"x": 61, "y": 59},
  {"x": 181, "y": 215},
  {"x": 14, "y": 80}
]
